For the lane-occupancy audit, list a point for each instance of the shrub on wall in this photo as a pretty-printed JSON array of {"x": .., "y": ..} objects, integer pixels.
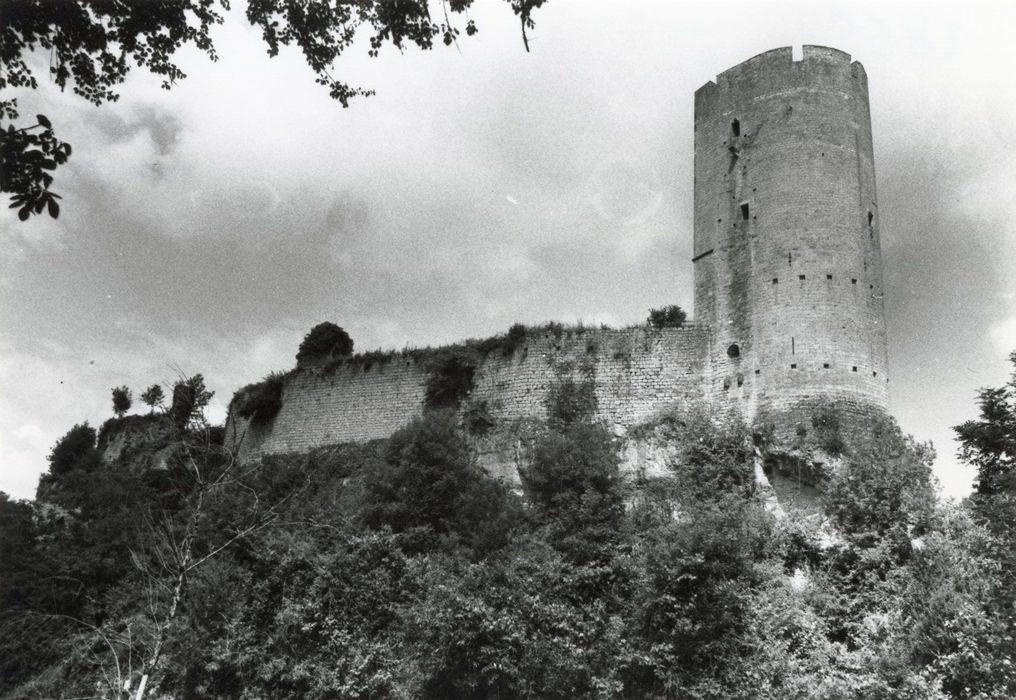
[
  {"x": 325, "y": 341},
  {"x": 260, "y": 402},
  {"x": 672, "y": 316},
  {"x": 478, "y": 418},
  {"x": 450, "y": 378},
  {"x": 569, "y": 402}
]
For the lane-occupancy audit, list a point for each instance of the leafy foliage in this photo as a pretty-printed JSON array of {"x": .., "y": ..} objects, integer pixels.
[
  {"x": 427, "y": 469},
  {"x": 153, "y": 396},
  {"x": 122, "y": 399},
  {"x": 671, "y": 316},
  {"x": 450, "y": 377},
  {"x": 190, "y": 398},
  {"x": 325, "y": 341},
  {"x": 75, "y": 450},
  {"x": 989, "y": 443},
  {"x": 261, "y": 402},
  {"x": 570, "y": 401},
  {"x": 399, "y": 569}
]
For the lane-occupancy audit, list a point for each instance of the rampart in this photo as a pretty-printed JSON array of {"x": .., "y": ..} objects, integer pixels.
[
  {"x": 636, "y": 372},
  {"x": 788, "y": 289}
]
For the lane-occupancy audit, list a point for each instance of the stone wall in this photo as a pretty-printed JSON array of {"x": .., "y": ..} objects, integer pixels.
[{"x": 636, "y": 372}]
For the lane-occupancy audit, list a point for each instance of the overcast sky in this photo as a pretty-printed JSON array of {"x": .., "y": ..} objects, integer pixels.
[{"x": 207, "y": 228}]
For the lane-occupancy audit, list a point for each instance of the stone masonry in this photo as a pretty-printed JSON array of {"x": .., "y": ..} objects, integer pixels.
[{"x": 788, "y": 285}]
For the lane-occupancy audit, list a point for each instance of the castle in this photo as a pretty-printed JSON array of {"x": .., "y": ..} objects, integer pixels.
[{"x": 788, "y": 290}]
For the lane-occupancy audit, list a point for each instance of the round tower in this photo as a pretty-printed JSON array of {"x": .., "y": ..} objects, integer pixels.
[{"x": 788, "y": 271}]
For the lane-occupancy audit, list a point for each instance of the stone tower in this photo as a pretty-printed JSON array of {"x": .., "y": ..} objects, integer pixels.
[{"x": 788, "y": 271}]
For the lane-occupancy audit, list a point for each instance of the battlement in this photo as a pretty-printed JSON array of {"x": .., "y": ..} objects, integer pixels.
[{"x": 777, "y": 68}]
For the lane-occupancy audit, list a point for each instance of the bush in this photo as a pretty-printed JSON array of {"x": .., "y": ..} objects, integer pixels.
[
  {"x": 75, "y": 450},
  {"x": 569, "y": 402},
  {"x": 478, "y": 418},
  {"x": 190, "y": 397},
  {"x": 450, "y": 378},
  {"x": 427, "y": 469},
  {"x": 672, "y": 316},
  {"x": 325, "y": 341},
  {"x": 121, "y": 400},
  {"x": 826, "y": 422},
  {"x": 260, "y": 402},
  {"x": 153, "y": 396}
]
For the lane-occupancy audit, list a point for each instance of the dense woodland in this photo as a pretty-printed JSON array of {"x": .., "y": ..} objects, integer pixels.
[{"x": 399, "y": 569}]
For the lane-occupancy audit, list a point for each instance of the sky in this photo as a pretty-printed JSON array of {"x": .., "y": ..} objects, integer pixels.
[{"x": 209, "y": 227}]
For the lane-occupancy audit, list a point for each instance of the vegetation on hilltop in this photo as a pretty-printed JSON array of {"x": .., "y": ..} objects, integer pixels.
[{"x": 398, "y": 568}]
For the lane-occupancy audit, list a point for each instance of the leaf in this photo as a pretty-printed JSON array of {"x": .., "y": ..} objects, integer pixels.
[
  {"x": 44, "y": 121},
  {"x": 54, "y": 208},
  {"x": 25, "y": 212}
]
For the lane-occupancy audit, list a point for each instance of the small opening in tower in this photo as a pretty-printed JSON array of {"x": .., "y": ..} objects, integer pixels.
[
  {"x": 745, "y": 211},
  {"x": 776, "y": 280},
  {"x": 733, "y": 351},
  {"x": 853, "y": 369},
  {"x": 793, "y": 366},
  {"x": 792, "y": 346},
  {"x": 825, "y": 365},
  {"x": 758, "y": 371},
  {"x": 790, "y": 258},
  {"x": 871, "y": 218},
  {"x": 853, "y": 281},
  {"x": 874, "y": 374},
  {"x": 828, "y": 277},
  {"x": 735, "y": 127},
  {"x": 726, "y": 382},
  {"x": 740, "y": 379},
  {"x": 800, "y": 277}
]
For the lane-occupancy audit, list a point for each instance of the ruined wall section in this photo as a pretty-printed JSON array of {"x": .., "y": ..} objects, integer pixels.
[
  {"x": 787, "y": 261},
  {"x": 636, "y": 372},
  {"x": 345, "y": 403}
]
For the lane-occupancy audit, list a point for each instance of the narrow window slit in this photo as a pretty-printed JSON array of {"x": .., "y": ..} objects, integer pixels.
[
  {"x": 745, "y": 211},
  {"x": 735, "y": 127}
]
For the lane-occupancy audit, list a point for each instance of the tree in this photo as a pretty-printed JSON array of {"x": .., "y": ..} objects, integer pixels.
[
  {"x": 427, "y": 470},
  {"x": 989, "y": 443},
  {"x": 75, "y": 450},
  {"x": 91, "y": 44},
  {"x": 121, "y": 400},
  {"x": 153, "y": 397},
  {"x": 190, "y": 397},
  {"x": 671, "y": 316},
  {"x": 324, "y": 341}
]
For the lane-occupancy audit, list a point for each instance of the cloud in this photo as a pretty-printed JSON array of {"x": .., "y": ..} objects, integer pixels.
[{"x": 1003, "y": 335}]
